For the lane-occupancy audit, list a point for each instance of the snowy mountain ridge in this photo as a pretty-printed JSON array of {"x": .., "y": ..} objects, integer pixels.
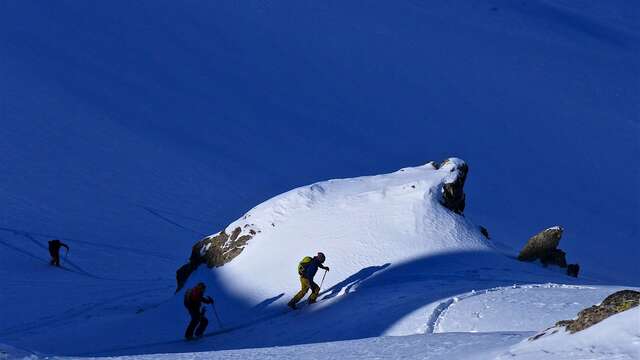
[
  {"x": 394, "y": 250},
  {"x": 129, "y": 130},
  {"x": 358, "y": 223}
]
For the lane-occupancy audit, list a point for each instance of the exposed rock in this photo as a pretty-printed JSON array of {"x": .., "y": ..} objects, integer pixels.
[
  {"x": 215, "y": 251},
  {"x": 453, "y": 196},
  {"x": 222, "y": 248},
  {"x": 573, "y": 270},
  {"x": 554, "y": 257},
  {"x": 543, "y": 246},
  {"x": 484, "y": 232},
  {"x": 613, "y": 304},
  {"x": 235, "y": 233},
  {"x": 183, "y": 273},
  {"x": 541, "y": 243},
  {"x": 197, "y": 257}
]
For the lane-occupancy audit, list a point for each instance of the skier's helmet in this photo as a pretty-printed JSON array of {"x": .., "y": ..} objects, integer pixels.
[{"x": 321, "y": 257}]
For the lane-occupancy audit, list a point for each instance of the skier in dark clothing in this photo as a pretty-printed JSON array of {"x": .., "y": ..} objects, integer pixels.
[
  {"x": 193, "y": 300},
  {"x": 307, "y": 269},
  {"x": 54, "y": 251}
]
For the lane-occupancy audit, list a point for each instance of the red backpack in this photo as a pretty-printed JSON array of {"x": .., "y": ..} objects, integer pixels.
[{"x": 192, "y": 296}]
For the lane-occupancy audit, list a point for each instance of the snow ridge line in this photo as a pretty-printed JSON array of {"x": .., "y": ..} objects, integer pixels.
[{"x": 438, "y": 314}]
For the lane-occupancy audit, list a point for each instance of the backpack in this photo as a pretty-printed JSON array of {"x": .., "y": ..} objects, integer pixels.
[
  {"x": 187, "y": 298},
  {"x": 191, "y": 297},
  {"x": 303, "y": 264}
]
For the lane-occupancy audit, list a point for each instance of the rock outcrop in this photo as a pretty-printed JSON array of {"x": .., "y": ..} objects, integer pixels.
[
  {"x": 613, "y": 304},
  {"x": 453, "y": 196},
  {"x": 573, "y": 270},
  {"x": 544, "y": 247},
  {"x": 217, "y": 250},
  {"x": 484, "y": 232},
  {"x": 214, "y": 251}
]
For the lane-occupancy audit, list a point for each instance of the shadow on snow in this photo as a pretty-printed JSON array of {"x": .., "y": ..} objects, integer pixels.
[{"x": 365, "y": 304}]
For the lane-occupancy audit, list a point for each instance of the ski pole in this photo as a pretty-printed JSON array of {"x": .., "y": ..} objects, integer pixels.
[
  {"x": 325, "y": 274},
  {"x": 213, "y": 305}
]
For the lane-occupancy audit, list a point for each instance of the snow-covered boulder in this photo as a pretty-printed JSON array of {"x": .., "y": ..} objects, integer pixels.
[
  {"x": 544, "y": 247},
  {"x": 453, "y": 196},
  {"x": 358, "y": 222}
]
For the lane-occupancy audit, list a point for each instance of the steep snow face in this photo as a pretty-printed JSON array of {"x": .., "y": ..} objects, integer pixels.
[
  {"x": 151, "y": 122},
  {"x": 357, "y": 223},
  {"x": 614, "y": 338}
]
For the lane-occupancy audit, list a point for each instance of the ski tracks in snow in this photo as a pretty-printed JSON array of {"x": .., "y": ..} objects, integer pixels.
[
  {"x": 70, "y": 314},
  {"x": 440, "y": 311}
]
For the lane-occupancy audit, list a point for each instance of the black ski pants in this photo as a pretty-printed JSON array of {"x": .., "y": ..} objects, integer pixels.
[
  {"x": 197, "y": 320},
  {"x": 55, "y": 257}
]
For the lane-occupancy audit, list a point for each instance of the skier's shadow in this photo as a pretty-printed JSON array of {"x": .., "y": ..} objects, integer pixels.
[
  {"x": 345, "y": 286},
  {"x": 263, "y": 305}
]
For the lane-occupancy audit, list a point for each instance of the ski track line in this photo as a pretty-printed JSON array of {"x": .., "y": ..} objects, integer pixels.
[
  {"x": 276, "y": 314},
  {"x": 18, "y": 232},
  {"x": 164, "y": 218},
  {"x": 440, "y": 312},
  {"x": 173, "y": 213},
  {"x": 72, "y": 313},
  {"x": 209, "y": 334},
  {"x": 76, "y": 269}
]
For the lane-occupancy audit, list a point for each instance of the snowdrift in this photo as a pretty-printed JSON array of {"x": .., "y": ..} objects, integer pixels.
[
  {"x": 370, "y": 221},
  {"x": 614, "y": 338}
]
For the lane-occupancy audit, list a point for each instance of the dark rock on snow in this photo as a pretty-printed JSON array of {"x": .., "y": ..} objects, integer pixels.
[
  {"x": 543, "y": 247},
  {"x": 484, "y": 232},
  {"x": 554, "y": 257},
  {"x": 183, "y": 273},
  {"x": 453, "y": 196},
  {"x": 573, "y": 270},
  {"x": 613, "y": 304},
  {"x": 214, "y": 251}
]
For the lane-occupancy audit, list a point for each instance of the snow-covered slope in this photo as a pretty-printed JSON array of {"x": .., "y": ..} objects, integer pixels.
[
  {"x": 358, "y": 223},
  {"x": 401, "y": 264},
  {"x": 614, "y": 338},
  {"x": 155, "y": 122},
  {"x": 131, "y": 129}
]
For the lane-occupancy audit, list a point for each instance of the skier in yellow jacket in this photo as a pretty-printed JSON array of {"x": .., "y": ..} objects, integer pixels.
[{"x": 307, "y": 270}]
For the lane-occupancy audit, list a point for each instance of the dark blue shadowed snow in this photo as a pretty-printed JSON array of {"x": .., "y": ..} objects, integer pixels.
[
  {"x": 205, "y": 109},
  {"x": 129, "y": 129}
]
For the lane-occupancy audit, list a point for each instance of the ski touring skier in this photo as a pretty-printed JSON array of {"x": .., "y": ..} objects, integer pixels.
[
  {"x": 307, "y": 269},
  {"x": 54, "y": 251},
  {"x": 193, "y": 300}
]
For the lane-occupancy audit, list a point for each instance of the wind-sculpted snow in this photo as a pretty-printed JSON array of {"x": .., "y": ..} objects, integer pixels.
[
  {"x": 358, "y": 223},
  {"x": 614, "y": 338}
]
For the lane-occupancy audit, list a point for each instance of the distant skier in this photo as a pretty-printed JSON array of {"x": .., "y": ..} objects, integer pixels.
[
  {"x": 54, "y": 251},
  {"x": 307, "y": 269},
  {"x": 193, "y": 299}
]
